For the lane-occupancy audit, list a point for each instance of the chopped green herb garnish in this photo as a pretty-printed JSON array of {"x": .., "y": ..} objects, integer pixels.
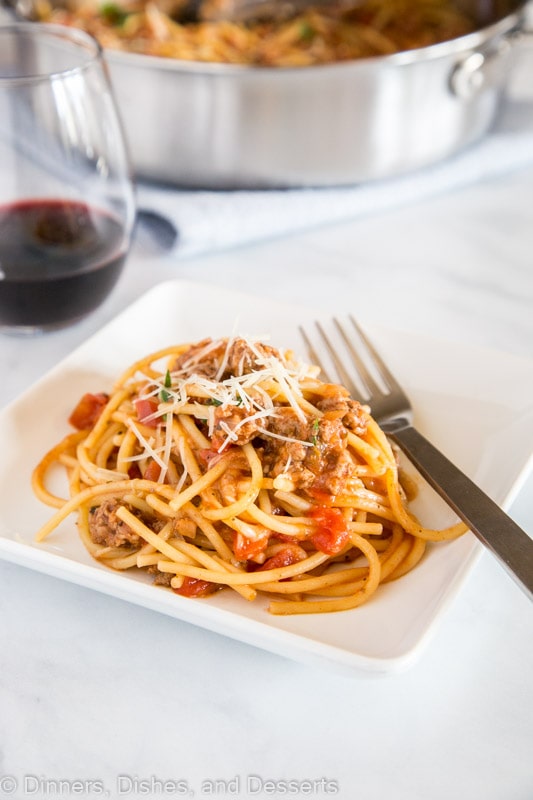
[
  {"x": 211, "y": 401},
  {"x": 163, "y": 394},
  {"x": 315, "y": 427},
  {"x": 307, "y": 32},
  {"x": 113, "y": 13}
]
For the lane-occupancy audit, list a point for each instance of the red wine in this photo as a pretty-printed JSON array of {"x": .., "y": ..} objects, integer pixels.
[{"x": 59, "y": 260}]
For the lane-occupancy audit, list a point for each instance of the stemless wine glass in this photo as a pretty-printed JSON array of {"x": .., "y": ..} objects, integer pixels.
[{"x": 66, "y": 196}]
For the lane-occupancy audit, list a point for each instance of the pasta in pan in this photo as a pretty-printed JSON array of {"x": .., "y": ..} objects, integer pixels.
[
  {"x": 317, "y": 36},
  {"x": 229, "y": 464}
]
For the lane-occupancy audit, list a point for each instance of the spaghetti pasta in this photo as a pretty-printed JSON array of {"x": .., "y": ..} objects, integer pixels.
[
  {"x": 229, "y": 464},
  {"x": 322, "y": 35}
]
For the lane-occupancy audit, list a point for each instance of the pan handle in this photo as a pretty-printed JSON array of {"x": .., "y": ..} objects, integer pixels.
[{"x": 480, "y": 70}]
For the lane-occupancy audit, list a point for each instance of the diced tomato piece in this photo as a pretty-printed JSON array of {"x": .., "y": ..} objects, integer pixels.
[
  {"x": 134, "y": 472},
  {"x": 146, "y": 407},
  {"x": 210, "y": 457},
  {"x": 194, "y": 587},
  {"x": 205, "y": 454},
  {"x": 152, "y": 471},
  {"x": 332, "y": 534},
  {"x": 245, "y": 548},
  {"x": 88, "y": 410},
  {"x": 284, "y": 557}
]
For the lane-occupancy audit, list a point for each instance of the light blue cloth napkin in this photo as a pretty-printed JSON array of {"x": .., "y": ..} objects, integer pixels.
[{"x": 211, "y": 221}]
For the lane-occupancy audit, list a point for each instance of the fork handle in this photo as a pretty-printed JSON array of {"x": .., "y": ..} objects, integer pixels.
[{"x": 507, "y": 541}]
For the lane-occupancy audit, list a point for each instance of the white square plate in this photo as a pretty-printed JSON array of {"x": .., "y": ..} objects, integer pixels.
[{"x": 476, "y": 405}]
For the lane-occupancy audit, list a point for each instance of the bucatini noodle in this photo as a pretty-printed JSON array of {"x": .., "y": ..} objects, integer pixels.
[{"x": 227, "y": 464}]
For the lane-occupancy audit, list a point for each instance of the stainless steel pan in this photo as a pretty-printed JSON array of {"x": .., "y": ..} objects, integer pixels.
[{"x": 222, "y": 126}]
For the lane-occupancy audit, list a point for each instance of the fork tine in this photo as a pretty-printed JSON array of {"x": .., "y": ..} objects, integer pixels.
[
  {"x": 344, "y": 375},
  {"x": 359, "y": 367},
  {"x": 370, "y": 384},
  {"x": 313, "y": 355},
  {"x": 385, "y": 373}
]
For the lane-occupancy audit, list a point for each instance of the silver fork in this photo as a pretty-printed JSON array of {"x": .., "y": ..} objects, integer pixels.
[{"x": 392, "y": 409}]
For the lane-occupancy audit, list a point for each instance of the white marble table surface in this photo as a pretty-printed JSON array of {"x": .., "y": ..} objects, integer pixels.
[{"x": 92, "y": 688}]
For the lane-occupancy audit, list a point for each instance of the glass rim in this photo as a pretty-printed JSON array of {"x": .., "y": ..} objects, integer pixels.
[{"x": 42, "y": 30}]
